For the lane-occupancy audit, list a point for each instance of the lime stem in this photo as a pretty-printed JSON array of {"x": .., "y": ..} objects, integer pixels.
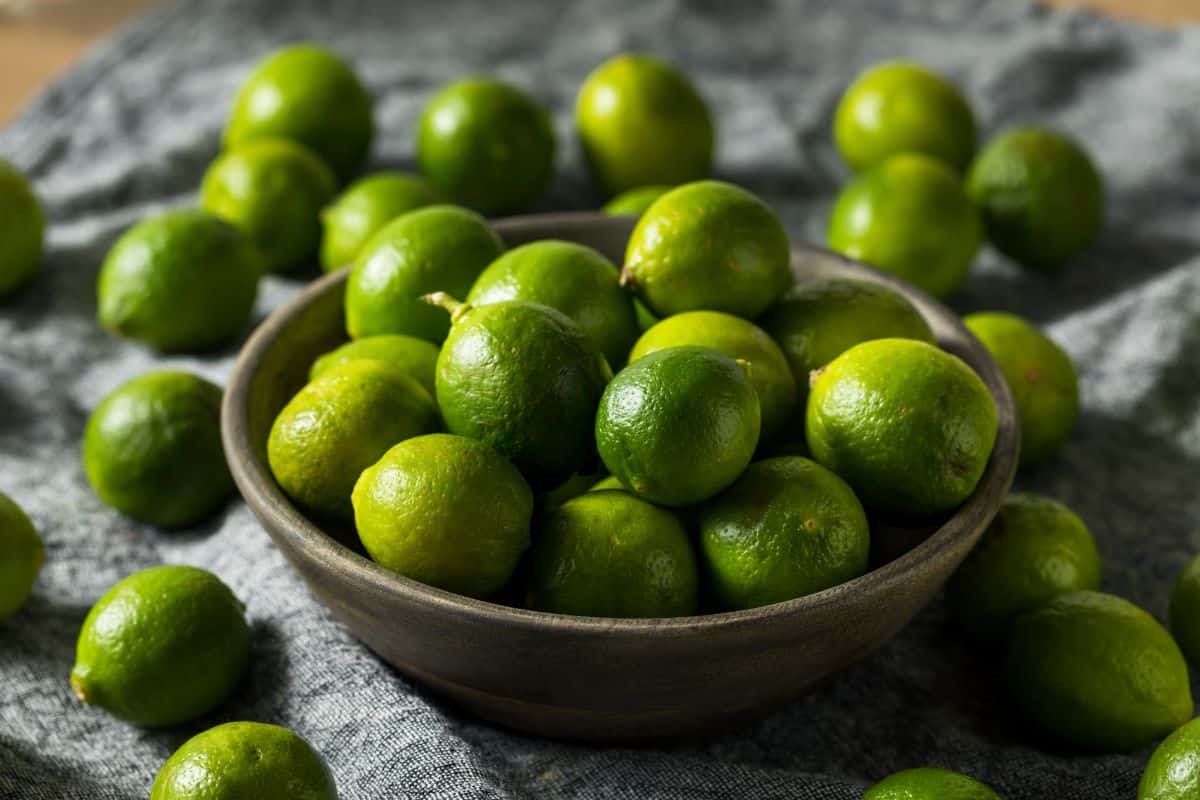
[
  {"x": 746, "y": 366},
  {"x": 627, "y": 279},
  {"x": 444, "y": 300}
]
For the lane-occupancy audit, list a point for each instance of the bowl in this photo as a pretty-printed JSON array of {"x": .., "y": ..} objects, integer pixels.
[{"x": 582, "y": 678}]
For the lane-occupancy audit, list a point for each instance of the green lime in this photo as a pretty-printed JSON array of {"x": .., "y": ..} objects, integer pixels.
[
  {"x": 525, "y": 379},
  {"x": 1097, "y": 672},
  {"x": 273, "y": 190},
  {"x": 708, "y": 246},
  {"x": 738, "y": 339},
  {"x": 679, "y": 425},
  {"x": 909, "y": 426},
  {"x": 487, "y": 145},
  {"x": 21, "y": 556},
  {"x": 1041, "y": 377},
  {"x": 161, "y": 647},
  {"x": 568, "y": 277},
  {"x": 929, "y": 783},
  {"x": 1034, "y": 550},
  {"x": 1041, "y": 197},
  {"x": 440, "y": 248},
  {"x": 572, "y": 487},
  {"x": 447, "y": 511},
  {"x": 363, "y": 209},
  {"x": 909, "y": 216},
  {"x": 786, "y": 528},
  {"x": 416, "y": 358},
  {"x": 1185, "y": 611},
  {"x": 152, "y": 449},
  {"x": 309, "y": 95},
  {"x": 183, "y": 281},
  {"x": 605, "y": 484},
  {"x": 22, "y": 225},
  {"x": 642, "y": 122},
  {"x": 635, "y": 202},
  {"x": 245, "y": 761},
  {"x": 610, "y": 554},
  {"x": 1173, "y": 771},
  {"x": 340, "y": 424},
  {"x": 898, "y": 107}
]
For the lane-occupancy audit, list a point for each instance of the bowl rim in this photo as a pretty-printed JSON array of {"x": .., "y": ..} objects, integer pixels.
[{"x": 266, "y": 499}]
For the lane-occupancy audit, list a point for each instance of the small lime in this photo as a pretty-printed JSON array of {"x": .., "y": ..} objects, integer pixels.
[
  {"x": 1185, "y": 611},
  {"x": 605, "y": 484},
  {"x": 363, "y": 209},
  {"x": 929, "y": 783},
  {"x": 22, "y": 225},
  {"x": 1173, "y": 771},
  {"x": 635, "y": 202},
  {"x": 416, "y": 358},
  {"x": 21, "y": 556}
]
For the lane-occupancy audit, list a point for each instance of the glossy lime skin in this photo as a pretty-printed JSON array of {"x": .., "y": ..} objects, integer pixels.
[
  {"x": 487, "y": 145},
  {"x": 1035, "y": 550},
  {"x": 642, "y": 122},
  {"x": 21, "y": 557},
  {"x": 340, "y": 424},
  {"x": 610, "y": 554},
  {"x": 1040, "y": 195},
  {"x": 440, "y": 248},
  {"x": 415, "y": 357},
  {"x": 184, "y": 281},
  {"x": 161, "y": 647},
  {"x": 308, "y": 95},
  {"x": 273, "y": 190},
  {"x": 708, "y": 246},
  {"x": 245, "y": 761},
  {"x": 571, "y": 278},
  {"x": 635, "y": 202},
  {"x": 909, "y": 216},
  {"x": 22, "y": 226},
  {"x": 1097, "y": 672},
  {"x": 929, "y": 783},
  {"x": 786, "y": 528},
  {"x": 908, "y": 426},
  {"x": 1041, "y": 377},
  {"x": 526, "y": 380},
  {"x": 739, "y": 339},
  {"x": 359, "y": 212},
  {"x": 679, "y": 425},
  {"x": 152, "y": 449},
  {"x": 1185, "y": 611},
  {"x": 1173, "y": 771},
  {"x": 445, "y": 510}
]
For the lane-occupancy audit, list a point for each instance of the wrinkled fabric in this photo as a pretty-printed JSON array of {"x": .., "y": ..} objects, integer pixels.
[{"x": 129, "y": 131}]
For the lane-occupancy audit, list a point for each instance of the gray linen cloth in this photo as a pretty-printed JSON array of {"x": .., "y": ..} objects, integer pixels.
[{"x": 129, "y": 131}]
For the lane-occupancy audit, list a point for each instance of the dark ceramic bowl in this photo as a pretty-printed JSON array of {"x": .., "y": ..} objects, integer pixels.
[{"x": 592, "y": 678}]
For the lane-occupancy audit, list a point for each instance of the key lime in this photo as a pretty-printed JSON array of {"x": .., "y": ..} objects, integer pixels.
[
  {"x": 1173, "y": 771},
  {"x": 363, "y": 209},
  {"x": 634, "y": 202},
  {"x": 22, "y": 226},
  {"x": 929, "y": 783},
  {"x": 416, "y": 358},
  {"x": 21, "y": 556},
  {"x": 1185, "y": 611}
]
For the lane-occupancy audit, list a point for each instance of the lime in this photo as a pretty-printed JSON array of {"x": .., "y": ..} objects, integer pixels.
[
  {"x": 1041, "y": 197},
  {"x": 184, "y": 281},
  {"x": 568, "y": 277},
  {"x": 1097, "y": 672},
  {"x": 21, "y": 556},
  {"x": 635, "y": 202},
  {"x": 1041, "y": 377},
  {"x": 152, "y": 449},
  {"x": 1173, "y": 771},
  {"x": 605, "y": 484},
  {"x": 909, "y": 216},
  {"x": 1034, "y": 550},
  {"x": 898, "y": 107},
  {"x": 642, "y": 122},
  {"x": 273, "y": 190},
  {"x": 244, "y": 761},
  {"x": 929, "y": 783},
  {"x": 786, "y": 528},
  {"x": 487, "y": 145},
  {"x": 708, "y": 246},
  {"x": 1185, "y": 611},
  {"x": 738, "y": 339},
  {"x": 573, "y": 486},
  {"x": 909, "y": 426},
  {"x": 340, "y": 424},
  {"x": 22, "y": 225},
  {"x": 309, "y": 95},
  {"x": 163, "y": 646},
  {"x": 679, "y": 425},
  {"x": 447, "y": 511},
  {"x": 440, "y": 248},
  {"x": 358, "y": 213},
  {"x": 416, "y": 358}
]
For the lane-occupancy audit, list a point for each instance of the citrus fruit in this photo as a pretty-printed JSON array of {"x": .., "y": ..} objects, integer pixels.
[
  {"x": 22, "y": 225},
  {"x": 908, "y": 426},
  {"x": 786, "y": 528},
  {"x": 415, "y": 357},
  {"x": 163, "y": 646},
  {"x": 440, "y": 248},
  {"x": 184, "y": 281},
  {"x": 909, "y": 216},
  {"x": 642, "y": 122},
  {"x": 708, "y": 246},
  {"x": 487, "y": 145},
  {"x": 1185, "y": 611},
  {"x": 929, "y": 783},
  {"x": 607, "y": 483},
  {"x": 1173, "y": 771},
  {"x": 573, "y": 486},
  {"x": 21, "y": 556},
  {"x": 447, "y": 511},
  {"x": 634, "y": 202},
  {"x": 679, "y": 425},
  {"x": 152, "y": 449},
  {"x": 363, "y": 208}
]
